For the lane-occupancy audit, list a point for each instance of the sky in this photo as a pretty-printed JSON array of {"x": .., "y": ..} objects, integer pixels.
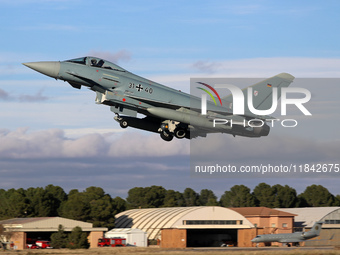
[{"x": 51, "y": 133}]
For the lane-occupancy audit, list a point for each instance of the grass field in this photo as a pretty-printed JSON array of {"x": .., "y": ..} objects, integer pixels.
[{"x": 187, "y": 251}]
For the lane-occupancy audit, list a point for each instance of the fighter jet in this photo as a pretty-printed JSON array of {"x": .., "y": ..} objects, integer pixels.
[
  {"x": 295, "y": 238},
  {"x": 167, "y": 111}
]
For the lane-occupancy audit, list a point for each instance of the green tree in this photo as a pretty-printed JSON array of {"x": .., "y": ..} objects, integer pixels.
[
  {"x": 316, "y": 196},
  {"x": 154, "y": 196},
  {"x": 119, "y": 205},
  {"x": 135, "y": 198},
  {"x": 285, "y": 196},
  {"x": 76, "y": 207},
  {"x": 173, "y": 199},
  {"x": 337, "y": 200},
  {"x": 101, "y": 212},
  {"x": 93, "y": 193},
  {"x": 3, "y": 204},
  {"x": 59, "y": 196},
  {"x": 238, "y": 196},
  {"x": 207, "y": 198},
  {"x": 190, "y": 197},
  {"x": 77, "y": 239},
  {"x": 73, "y": 192},
  {"x": 59, "y": 239},
  {"x": 148, "y": 197},
  {"x": 15, "y": 204},
  {"x": 264, "y": 195},
  {"x": 44, "y": 202},
  {"x": 101, "y": 207},
  {"x": 92, "y": 205}
]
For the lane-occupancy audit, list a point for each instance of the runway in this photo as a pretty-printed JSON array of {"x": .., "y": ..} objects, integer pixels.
[{"x": 266, "y": 249}]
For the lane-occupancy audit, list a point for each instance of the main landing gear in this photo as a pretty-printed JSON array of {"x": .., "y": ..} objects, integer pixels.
[
  {"x": 170, "y": 128},
  {"x": 166, "y": 136}
]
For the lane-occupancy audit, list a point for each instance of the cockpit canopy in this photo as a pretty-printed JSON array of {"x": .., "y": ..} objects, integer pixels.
[{"x": 96, "y": 62}]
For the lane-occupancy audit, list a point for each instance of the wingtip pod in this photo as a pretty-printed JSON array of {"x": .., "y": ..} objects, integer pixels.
[{"x": 286, "y": 76}]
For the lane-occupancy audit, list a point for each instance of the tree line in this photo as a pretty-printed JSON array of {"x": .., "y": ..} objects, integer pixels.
[
  {"x": 91, "y": 205},
  {"x": 95, "y": 206}
]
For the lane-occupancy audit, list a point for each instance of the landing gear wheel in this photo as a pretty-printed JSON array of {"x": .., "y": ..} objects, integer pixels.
[
  {"x": 180, "y": 133},
  {"x": 166, "y": 136},
  {"x": 123, "y": 123}
]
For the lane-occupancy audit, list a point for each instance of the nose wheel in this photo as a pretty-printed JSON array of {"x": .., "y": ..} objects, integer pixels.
[{"x": 123, "y": 123}]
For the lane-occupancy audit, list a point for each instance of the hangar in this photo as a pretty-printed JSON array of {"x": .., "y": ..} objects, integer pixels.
[
  {"x": 190, "y": 226},
  {"x": 205, "y": 226},
  {"x": 42, "y": 228},
  {"x": 307, "y": 216}
]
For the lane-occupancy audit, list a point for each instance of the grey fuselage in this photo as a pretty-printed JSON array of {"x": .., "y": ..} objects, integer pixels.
[
  {"x": 290, "y": 237},
  {"x": 168, "y": 111}
]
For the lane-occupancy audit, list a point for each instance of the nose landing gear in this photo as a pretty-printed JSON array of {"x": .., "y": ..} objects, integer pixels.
[{"x": 123, "y": 123}]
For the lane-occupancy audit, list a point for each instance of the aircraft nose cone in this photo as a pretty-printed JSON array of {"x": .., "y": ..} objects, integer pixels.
[{"x": 49, "y": 68}]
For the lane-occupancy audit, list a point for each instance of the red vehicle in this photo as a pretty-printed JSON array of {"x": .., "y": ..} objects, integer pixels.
[
  {"x": 38, "y": 245},
  {"x": 112, "y": 242},
  {"x": 43, "y": 244},
  {"x": 32, "y": 246}
]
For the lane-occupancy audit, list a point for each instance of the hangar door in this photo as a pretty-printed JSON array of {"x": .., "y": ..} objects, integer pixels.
[{"x": 211, "y": 237}]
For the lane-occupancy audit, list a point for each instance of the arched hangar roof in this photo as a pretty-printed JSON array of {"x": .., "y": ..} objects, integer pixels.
[
  {"x": 307, "y": 216},
  {"x": 152, "y": 220}
]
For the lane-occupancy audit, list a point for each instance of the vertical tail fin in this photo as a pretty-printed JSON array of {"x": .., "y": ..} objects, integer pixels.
[
  {"x": 262, "y": 91},
  {"x": 317, "y": 228}
]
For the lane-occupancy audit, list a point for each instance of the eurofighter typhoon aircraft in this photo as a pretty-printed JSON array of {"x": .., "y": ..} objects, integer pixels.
[
  {"x": 295, "y": 238},
  {"x": 167, "y": 111}
]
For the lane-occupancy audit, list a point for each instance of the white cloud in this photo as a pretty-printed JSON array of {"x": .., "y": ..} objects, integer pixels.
[
  {"x": 206, "y": 66},
  {"x": 52, "y": 143},
  {"x": 78, "y": 132},
  {"x": 151, "y": 145}
]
